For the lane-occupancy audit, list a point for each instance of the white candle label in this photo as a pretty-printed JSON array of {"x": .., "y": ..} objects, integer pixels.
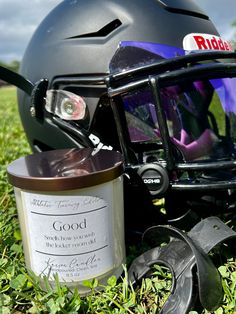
[{"x": 68, "y": 235}]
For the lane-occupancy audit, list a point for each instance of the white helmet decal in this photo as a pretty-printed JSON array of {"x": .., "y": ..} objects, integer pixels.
[{"x": 199, "y": 41}]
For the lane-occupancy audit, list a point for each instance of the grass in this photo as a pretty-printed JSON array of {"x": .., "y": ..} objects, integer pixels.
[{"x": 20, "y": 291}]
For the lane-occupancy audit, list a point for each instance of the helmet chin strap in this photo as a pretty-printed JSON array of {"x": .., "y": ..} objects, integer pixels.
[
  {"x": 186, "y": 257},
  {"x": 16, "y": 80},
  {"x": 37, "y": 91}
]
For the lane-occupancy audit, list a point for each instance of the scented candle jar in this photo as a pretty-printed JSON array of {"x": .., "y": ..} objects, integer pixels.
[{"x": 71, "y": 213}]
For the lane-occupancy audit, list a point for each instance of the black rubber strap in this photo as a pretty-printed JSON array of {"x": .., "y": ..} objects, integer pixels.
[
  {"x": 186, "y": 256},
  {"x": 16, "y": 79},
  {"x": 210, "y": 232}
]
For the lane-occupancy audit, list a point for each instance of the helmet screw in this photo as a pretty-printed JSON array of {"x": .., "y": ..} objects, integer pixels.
[
  {"x": 32, "y": 112},
  {"x": 68, "y": 107}
]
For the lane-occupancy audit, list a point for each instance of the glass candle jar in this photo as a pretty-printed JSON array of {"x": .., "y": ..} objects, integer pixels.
[{"x": 71, "y": 213}]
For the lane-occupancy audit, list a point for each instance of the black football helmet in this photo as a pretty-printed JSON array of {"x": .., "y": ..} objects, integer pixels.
[{"x": 152, "y": 79}]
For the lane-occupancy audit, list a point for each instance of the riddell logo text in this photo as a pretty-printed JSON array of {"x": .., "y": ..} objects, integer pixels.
[{"x": 212, "y": 43}]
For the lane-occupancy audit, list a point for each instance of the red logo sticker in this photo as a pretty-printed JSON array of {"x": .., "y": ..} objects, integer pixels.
[{"x": 197, "y": 41}]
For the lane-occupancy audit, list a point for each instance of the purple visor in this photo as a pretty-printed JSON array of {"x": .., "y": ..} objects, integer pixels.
[{"x": 200, "y": 115}]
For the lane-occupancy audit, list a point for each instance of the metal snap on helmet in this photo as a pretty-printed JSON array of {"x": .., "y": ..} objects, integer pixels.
[{"x": 149, "y": 78}]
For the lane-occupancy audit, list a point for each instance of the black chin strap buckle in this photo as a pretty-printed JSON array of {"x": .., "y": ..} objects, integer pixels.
[
  {"x": 38, "y": 98},
  {"x": 186, "y": 257}
]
